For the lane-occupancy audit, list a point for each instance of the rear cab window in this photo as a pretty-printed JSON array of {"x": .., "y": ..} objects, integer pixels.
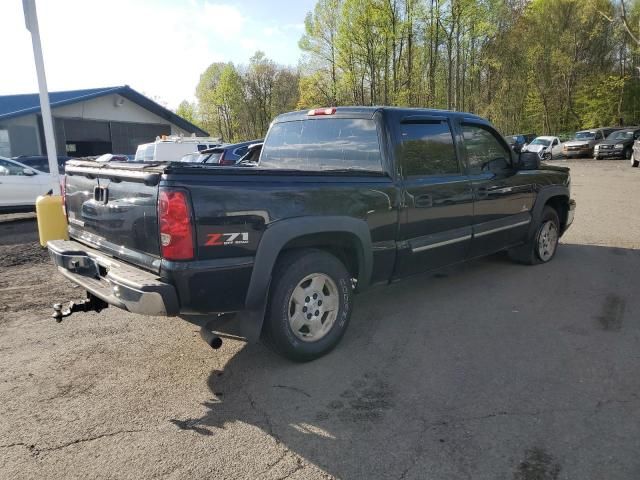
[{"x": 323, "y": 145}]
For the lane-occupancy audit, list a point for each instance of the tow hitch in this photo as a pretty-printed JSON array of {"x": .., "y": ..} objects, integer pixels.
[{"x": 90, "y": 304}]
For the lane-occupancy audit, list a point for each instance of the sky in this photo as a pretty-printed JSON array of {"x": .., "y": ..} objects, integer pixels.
[{"x": 157, "y": 47}]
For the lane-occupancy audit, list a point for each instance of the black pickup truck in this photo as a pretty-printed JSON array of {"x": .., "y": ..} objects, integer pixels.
[{"x": 342, "y": 199}]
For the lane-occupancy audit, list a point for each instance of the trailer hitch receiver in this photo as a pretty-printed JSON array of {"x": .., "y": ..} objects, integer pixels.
[{"x": 90, "y": 304}]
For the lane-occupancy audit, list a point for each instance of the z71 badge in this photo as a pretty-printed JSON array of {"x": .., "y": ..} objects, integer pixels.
[{"x": 217, "y": 239}]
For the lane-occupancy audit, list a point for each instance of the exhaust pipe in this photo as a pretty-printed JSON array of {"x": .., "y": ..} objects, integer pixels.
[{"x": 213, "y": 340}]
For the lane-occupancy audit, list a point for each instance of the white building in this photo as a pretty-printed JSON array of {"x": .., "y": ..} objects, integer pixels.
[{"x": 87, "y": 122}]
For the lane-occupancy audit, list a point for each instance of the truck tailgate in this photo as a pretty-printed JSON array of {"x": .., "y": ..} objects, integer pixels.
[{"x": 114, "y": 209}]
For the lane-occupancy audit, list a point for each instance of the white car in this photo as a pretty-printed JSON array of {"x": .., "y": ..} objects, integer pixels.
[
  {"x": 546, "y": 147},
  {"x": 20, "y": 186}
]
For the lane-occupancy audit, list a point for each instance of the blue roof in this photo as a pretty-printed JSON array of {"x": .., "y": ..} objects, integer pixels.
[{"x": 12, "y": 106}]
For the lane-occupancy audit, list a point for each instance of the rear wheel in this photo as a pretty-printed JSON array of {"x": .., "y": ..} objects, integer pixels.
[
  {"x": 544, "y": 244},
  {"x": 634, "y": 162},
  {"x": 310, "y": 304}
]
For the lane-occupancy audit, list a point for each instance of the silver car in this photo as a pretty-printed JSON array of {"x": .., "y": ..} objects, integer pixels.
[{"x": 584, "y": 142}]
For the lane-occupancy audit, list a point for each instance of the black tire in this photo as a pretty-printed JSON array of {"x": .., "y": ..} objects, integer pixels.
[
  {"x": 531, "y": 253},
  {"x": 291, "y": 269},
  {"x": 627, "y": 153},
  {"x": 634, "y": 162}
]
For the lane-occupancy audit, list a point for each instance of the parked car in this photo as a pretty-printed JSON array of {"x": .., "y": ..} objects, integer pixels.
[
  {"x": 171, "y": 149},
  {"x": 252, "y": 156},
  {"x": 20, "y": 185},
  {"x": 342, "y": 199},
  {"x": 584, "y": 142},
  {"x": 228, "y": 154},
  {"x": 617, "y": 145},
  {"x": 516, "y": 142},
  {"x": 546, "y": 147},
  {"x": 41, "y": 162}
]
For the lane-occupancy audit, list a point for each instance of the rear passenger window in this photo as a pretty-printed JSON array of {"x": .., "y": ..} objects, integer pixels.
[
  {"x": 328, "y": 144},
  {"x": 427, "y": 149}
]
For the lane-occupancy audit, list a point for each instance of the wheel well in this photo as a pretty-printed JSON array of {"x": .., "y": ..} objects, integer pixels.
[
  {"x": 343, "y": 245},
  {"x": 560, "y": 204}
]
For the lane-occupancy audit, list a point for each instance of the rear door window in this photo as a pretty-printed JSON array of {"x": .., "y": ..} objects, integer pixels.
[
  {"x": 427, "y": 149},
  {"x": 328, "y": 144}
]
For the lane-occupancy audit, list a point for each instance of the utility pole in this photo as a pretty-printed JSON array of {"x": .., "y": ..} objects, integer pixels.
[{"x": 31, "y": 21}]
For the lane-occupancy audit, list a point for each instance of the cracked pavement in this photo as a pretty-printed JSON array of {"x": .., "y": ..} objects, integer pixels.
[{"x": 487, "y": 370}]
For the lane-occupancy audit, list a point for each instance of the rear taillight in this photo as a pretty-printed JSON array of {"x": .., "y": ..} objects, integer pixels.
[{"x": 176, "y": 231}]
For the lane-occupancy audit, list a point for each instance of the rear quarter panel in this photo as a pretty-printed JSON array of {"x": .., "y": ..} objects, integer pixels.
[{"x": 246, "y": 205}]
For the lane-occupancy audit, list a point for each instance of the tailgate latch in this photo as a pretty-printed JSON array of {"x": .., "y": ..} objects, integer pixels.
[{"x": 89, "y": 304}]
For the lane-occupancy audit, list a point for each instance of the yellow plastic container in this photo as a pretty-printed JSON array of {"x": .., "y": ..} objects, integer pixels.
[{"x": 52, "y": 223}]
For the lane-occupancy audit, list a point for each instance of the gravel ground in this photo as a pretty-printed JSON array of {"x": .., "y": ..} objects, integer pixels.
[{"x": 487, "y": 370}]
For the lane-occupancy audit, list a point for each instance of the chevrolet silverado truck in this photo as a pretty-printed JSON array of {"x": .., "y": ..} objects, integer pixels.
[{"x": 342, "y": 199}]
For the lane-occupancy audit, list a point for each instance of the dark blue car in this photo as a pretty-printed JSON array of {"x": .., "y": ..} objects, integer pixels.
[{"x": 227, "y": 154}]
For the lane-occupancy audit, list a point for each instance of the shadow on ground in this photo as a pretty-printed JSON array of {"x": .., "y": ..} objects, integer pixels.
[{"x": 484, "y": 370}]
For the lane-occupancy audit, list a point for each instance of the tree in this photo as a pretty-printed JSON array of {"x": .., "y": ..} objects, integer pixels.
[{"x": 188, "y": 111}]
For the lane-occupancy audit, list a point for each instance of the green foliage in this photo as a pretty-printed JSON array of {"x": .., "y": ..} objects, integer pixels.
[
  {"x": 188, "y": 111},
  {"x": 238, "y": 102},
  {"x": 528, "y": 65},
  {"x": 542, "y": 66}
]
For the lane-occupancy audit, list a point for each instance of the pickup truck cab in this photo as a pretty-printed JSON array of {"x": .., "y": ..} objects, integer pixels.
[{"x": 342, "y": 199}]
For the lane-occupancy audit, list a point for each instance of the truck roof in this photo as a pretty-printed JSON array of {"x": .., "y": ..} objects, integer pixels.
[{"x": 368, "y": 112}]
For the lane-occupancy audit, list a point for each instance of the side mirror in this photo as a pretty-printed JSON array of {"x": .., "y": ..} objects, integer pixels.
[
  {"x": 28, "y": 172},
  {"x": 528, "y": 161}
]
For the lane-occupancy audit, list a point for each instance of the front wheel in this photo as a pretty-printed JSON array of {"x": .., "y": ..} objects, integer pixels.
[
  {"x": 634, "y": 162},
  {"x": 544, "y": 244},
  {"x": 310, "y": 304},
  {"x": 628, "y": 153}
]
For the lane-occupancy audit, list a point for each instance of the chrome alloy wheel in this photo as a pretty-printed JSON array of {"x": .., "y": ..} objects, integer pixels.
[
  {"x": 547, "y": 240},
  {"x": 313, "y": 307}
]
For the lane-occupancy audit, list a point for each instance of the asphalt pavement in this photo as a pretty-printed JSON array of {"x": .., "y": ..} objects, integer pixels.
[{"x": 487, "y": 370}]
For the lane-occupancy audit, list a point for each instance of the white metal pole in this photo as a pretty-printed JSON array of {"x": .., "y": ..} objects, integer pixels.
[{"x": 31, "y": 21}]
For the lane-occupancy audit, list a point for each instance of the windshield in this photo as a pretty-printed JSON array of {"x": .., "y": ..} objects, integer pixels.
[
  {"x": 585, "y": 135},
  {"x": 149, "y": 153},
  {"x": 621, "y": 135},
  {"x": 140, "y": 154},
  {"x": 541, "y": 141}
]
